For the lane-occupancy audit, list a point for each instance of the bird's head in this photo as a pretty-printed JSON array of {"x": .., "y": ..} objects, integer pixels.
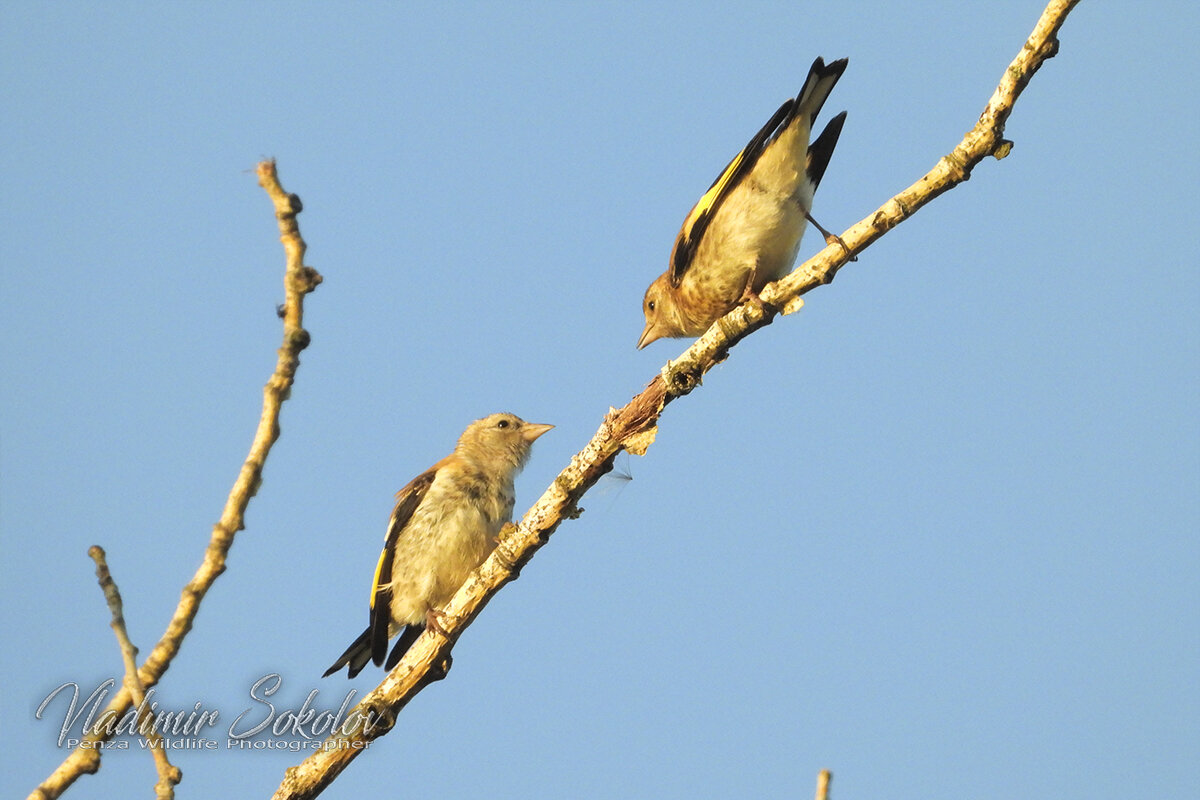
[
  {"x": 661, "y": 311},
  {"x": 500, "y": 441}
]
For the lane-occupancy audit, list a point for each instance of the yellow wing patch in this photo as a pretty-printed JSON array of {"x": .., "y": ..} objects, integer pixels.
[
  {"x": 378, "y": 570},
  {"x": 709, "y": 198}
]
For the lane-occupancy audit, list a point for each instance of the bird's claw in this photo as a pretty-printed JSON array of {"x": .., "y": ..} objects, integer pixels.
[{"x": 433, "y": 621}]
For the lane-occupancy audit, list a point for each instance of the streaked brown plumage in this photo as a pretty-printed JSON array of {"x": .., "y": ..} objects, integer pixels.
[
  {"x": 745, "y": 231},
  {"x": 444, "y": 525}
]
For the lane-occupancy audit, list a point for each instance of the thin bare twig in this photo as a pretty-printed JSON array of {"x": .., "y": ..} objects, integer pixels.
[
  {"x": 633, "y": 427},
  {"x": 168, "y": 774},
  {"x": 824, "y": 778},
  {"x": 299, "y": 280}
]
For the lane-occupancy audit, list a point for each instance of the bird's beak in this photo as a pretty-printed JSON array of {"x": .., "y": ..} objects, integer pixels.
[
  {"x": 532, "y": 431},
  {"x": 648, "y": 335}
]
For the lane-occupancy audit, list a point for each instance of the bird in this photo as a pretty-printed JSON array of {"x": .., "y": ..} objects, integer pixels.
[
  {"x": 444, "y": 525},
  {"x": 745, "y": 230}
]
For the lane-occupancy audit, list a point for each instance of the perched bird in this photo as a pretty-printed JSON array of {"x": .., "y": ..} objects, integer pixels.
[
  {"x": 746, "y": 229},
  {"x": 444, "y": 525}
]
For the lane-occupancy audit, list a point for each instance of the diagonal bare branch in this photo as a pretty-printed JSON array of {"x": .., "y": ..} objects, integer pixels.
[{"x": 633, "y": 427}]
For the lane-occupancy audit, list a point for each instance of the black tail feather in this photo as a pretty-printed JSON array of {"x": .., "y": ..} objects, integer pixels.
[
  {"x": 407, "y": 637},
  {"x": 356, "y": 656},
  {"x": 821, "y": 79},
  {"x": 820, "y": 151}
]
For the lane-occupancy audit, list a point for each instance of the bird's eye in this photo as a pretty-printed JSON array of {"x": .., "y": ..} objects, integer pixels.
[
  {"x": 502, "y": 423},
  {"x": 650, "y": 305}
]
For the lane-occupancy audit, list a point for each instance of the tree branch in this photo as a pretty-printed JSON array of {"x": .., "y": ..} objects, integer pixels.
[
  {"x": 299, "y": 280},
  {"x": 168, "y": 774},
  {"x": 633, "y": 427},
  {"x": 824, "y": 778}
]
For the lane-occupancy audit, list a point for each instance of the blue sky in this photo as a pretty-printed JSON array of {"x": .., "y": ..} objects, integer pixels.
[{"x": 937, "y": 532}]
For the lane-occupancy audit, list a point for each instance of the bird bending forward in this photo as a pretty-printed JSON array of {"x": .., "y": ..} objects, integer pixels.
[{"x": 745, "y": 231}]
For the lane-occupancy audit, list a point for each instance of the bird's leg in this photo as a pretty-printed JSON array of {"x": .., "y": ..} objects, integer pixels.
[
  {"x": 433, "y": 621},
  {"x": 830, "y": 238},
  {"x": 748, "y": 293}
]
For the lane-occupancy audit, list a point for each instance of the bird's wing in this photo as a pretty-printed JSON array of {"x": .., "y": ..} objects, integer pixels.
[
  {"x": 701, "y": 215},
  {"x": 817, "y": 86},
  {"x": 407, "y": 500}
]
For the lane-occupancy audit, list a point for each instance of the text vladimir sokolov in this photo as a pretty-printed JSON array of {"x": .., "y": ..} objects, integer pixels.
[{"x": 88, "y": 724}]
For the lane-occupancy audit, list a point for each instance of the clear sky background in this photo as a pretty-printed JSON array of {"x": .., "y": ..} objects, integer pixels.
[{"x": 938, "y": 532}]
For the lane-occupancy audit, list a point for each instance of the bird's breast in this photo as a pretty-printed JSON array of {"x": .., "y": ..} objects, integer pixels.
[{"x": 450, "y": 533}]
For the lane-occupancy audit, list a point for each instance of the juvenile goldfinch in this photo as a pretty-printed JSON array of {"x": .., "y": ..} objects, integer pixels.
[
  {"x": 746, "y": 229},
  {"x": 444, "y": 525}
]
